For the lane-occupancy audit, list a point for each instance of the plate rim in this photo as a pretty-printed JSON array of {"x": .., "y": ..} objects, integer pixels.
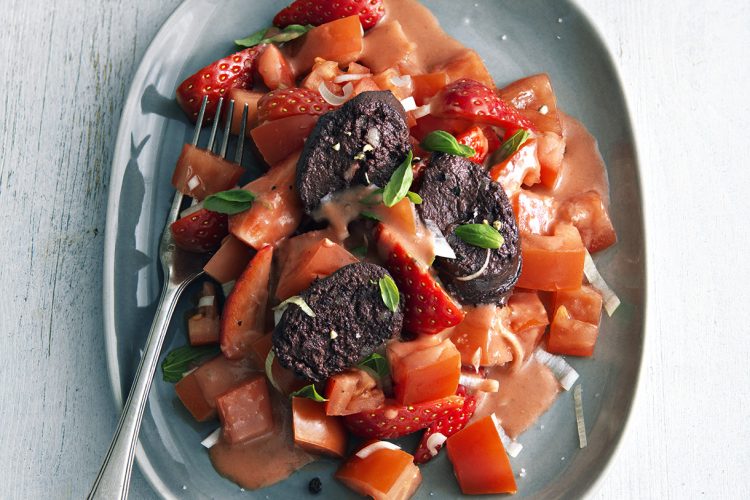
[{"x": 119, "y": 161}]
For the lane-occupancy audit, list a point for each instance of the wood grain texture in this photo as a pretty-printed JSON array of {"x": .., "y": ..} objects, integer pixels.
[{"x": 65, "y": 68}]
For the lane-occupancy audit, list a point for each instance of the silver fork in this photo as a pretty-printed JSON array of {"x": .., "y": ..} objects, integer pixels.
[{"x": 180, "y": 269}]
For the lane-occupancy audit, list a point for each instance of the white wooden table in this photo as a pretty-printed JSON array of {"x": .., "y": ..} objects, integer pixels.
[{"x": 65, "y": 67}]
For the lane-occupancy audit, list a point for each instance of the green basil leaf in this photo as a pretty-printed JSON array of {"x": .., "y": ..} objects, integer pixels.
[
  {"x": 308, "y": 392},
  {"x": 370, "y": 215},
  {"x": 287, "y": 34},
  {"x": 442, "y": 141},
  {"x": 389, "y": 292},
  {"x": 414, "y": 197},
  {"x": 360, "y": 252},
  {"x": 182, "y": 359},
  {"x": 400, "y": 182},
  {"x": 375, "y": 363},
  {"x": 229, "y": 202},
  {"x": 514, "y": 142},
  {"x": 480, "y": 235}
]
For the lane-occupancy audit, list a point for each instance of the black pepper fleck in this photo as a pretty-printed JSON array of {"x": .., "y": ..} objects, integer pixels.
[{"x": 315, "y": 486}]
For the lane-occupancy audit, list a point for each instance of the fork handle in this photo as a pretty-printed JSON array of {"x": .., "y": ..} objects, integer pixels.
[{"x": 113, "y": 480}]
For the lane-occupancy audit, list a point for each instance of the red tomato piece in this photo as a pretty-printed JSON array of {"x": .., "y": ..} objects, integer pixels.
[
  {"x": 274, "y": 69},
  {"x": 424, "y": 370},
  {"x": 534, "y": 98},
  {"x": 552, "y": 263},
  {"x": 383, "y": 475},
  {"x": 340, "y": 41},
  {"x": 402, "y": 217},
  {"x": 316, "y": 432},
  {"x": 245, "y": 411},
  {"x": 527, "y": 311},
  {"x": 385, "y": 46},
  {"x": 206, "y": 172},
  {"x": 426, "y": 86},
  {"x": 479, "y": 459},
  {"x": 477, "y": 338},
  {"x": 469, "y": 65},
  {"x": 475, "y": 138},
  {"x": 588, "y": 214},
  {"x": 204, "y": 325},
  {"x": 519, "y": 169},
  {"x": 242, "y": 97},
  {"x": 229, "y": 260},
  {"x": 352, "y": 391},
  {"x": 278, "y": 139},
  {"x": 583, "y": 304},
  {"x": 571, "y": 336},
  {"x": 535, "y": 213}
]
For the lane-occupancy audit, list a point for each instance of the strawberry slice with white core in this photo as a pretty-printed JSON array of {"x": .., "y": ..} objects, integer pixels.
[{"x": 444, "y": 427}]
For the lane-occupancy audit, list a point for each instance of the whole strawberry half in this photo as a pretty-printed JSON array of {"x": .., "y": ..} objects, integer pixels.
[
  {"x": 447, "y": 425},
  {"x": 474, "y": 101},
  {"x": 201, "y": 231},
  {"x": 283, "y": 103},
  {"x": 216, "y": 80},
  {"x": 317, "y": 12},
  {"x": 393, "y": 420},
  {"x": 429, "y": 308}
]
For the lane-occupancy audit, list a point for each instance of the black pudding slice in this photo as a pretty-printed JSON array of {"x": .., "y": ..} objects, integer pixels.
[
  {"x": 454, "y": 192},
  {"x": 351, "y": 321},
  {"x": 361, "y": 143}
]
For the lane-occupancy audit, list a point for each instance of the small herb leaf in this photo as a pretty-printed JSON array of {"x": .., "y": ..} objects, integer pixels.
[
  {"x": 308, "y": 392},
  {"x": 287, "y": 34},
  {"x": 182, "y": 359},
  {"x": 414, "y": 197},
  {"x": 480, "y": 235},
  {"x": 400, "y": 182},
  {"x": 389, "y": 292},
  {"x": 514, "y": 142},
  {"x": 229, "y": 202},
  {"x": 360, "y": 251},
  {"x": 442, "y": 141},
  {"x": 375, "y": 363}
]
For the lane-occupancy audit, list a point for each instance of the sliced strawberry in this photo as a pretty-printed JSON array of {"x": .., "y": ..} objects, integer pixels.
[
  {"x": 475, "y": 138},
  {"x": 393, "y": 420},
  {"x": 295, "y": 101},
  {"x": 243, "y": 320},
  {"x": 216, "y": 80},
  {"x": 474, "y": 101},
  {"x": 317, "y": 12},
  {"x": 447, "y": 425},
  {"x": 201, "y": 231},
  {"x": 429, "y": 308}
]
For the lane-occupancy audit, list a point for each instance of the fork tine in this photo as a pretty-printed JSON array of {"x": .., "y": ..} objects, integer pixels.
[
  {"x": 215, "y": 126},
  {"x": 199, "y": 121},
  {"x": 227, "y": 125},
  {"x": 241, "y": 138}
]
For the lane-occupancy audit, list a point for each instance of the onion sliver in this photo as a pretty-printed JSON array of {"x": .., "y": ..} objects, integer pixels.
[
  {"x": 564, "y": 373},
  {"x": 478, "y": 383},
  {"x": 373, "y": 137},
  {"x": 268, "y": 365},
  {"x": 409, "y": 104},
  {"x": 479, "y": 272},
  {"x": 376, "y": 446},
  {"x": 193, "y": 182},
  {"x": 611, "y": 301},
  {"x": 580, "y": 422},
  {"x": 435, "y": 442},
  {"x": 422, "y": 111},
  {"x": 212, "y": 438},
  {"x": 513, "y": 448},
  {"x": 351, "y": 78},
  {"x": 207, "y": 301},
  {"x": 441, "y": 246},
  {"x": 401, "y": 81},
  {"x": 333, "y": 99}
]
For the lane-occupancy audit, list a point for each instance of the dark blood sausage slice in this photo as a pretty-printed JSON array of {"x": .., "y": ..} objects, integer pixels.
[
  {"x": 336, "y": 155},
  {"x": 348, "y": 302},
  {"x": 456, "y": 191}
]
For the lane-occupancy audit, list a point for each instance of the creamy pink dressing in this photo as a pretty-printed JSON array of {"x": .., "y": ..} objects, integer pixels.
[{"x": 341, "y": 209}]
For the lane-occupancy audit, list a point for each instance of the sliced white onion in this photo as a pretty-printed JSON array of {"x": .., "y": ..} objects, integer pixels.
[
  {"x": 191, "y": 209},
  {"x": 435, "y": 442},
  {"x": 401, "y": 81},
  {"x": 278, "y": 311},
  {"x": 580, "y": 422},
  {"x": 207, "y": 301},
  {"x": 479, "y": 272},
  {"x": 350, "y": 78},
  {"x": 376, "y": 446},
  {"x": 478, "y": 383},
  {"x": 564, "y": 373},
  {"x": 409, "y": 104},
  {"x": 441, "y": 246},
  {"x": 512, "y": 448},
  {"x": 268, "y": 365},
  {"x": 193, "y": 182},
  {"x": 373, "y": 137},
  {"x": 333, "y": 99},
  {"x": 476, "y": 359},
  {"x": 228, "y": 287},
  {"x": 212, "y": 438},
  {"x": 611, "y": 300},
  {"x": 422, "y": 111}
]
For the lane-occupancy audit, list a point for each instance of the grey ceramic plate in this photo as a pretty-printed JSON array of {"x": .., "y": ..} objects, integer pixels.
[{"x": 515, "y": 39}]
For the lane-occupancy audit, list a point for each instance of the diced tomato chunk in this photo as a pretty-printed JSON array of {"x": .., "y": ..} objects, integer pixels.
[
  {"x": 530, "y": 338},
  {"x": 245, "y": 411},
  {"x": 276, "y": 211},
  {"x": 340, "y": 41},
  {"x": 316, "y": 432},
  {"x": 402, "y": 217},
  {"x": 588, "y": 214},
  {"x": 229, "y": 260},
  {"x": 278, "y": 139},
  {"x": 527, "y": 311},
  {"x": 550, "y": 151},
  {"x": 274, "y": 69},
  {"x": 520, "y": 168},
  {"x": 383, "y": 475},
  {"x": 424, "y": 370},
  {"x": 384, "y": 80},
  {"x": 477, "y": 337},
  {"x": 469, "y": 65},
  {"x": 352, "y": 391},
  {"x": 552, "y": 263},
  {"x": 204, "y": 325},
  {"x": 583, "y": 304},
  {"x": 534, "y": 98},
  {"x": 307, "y": 262},
  {"x": 366, "y": 84},
  {"x": 242, "y": 97},
  {"x": 535, "y": 213},
  {"x": 427, "y": 86},
  {"x": 191, "y": 395},
  {"x": 385, "y": 46},
  {"x": 199, "y": 173},
  {"x": 322, "y": 71},
  {"x": 571, "y": 336},
  {"x": 479, "y": 459}
]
